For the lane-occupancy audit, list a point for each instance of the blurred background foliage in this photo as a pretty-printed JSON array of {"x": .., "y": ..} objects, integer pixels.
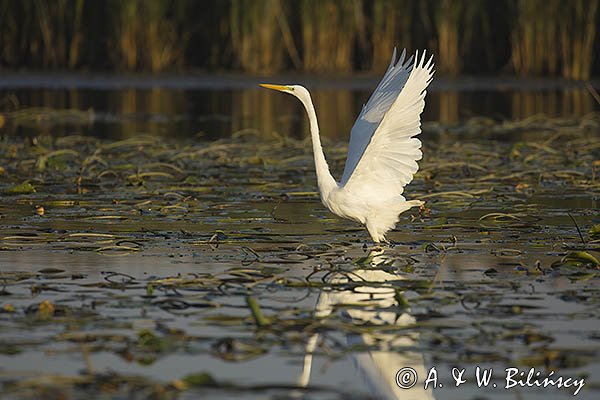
[{"x": 522, "y": 37}]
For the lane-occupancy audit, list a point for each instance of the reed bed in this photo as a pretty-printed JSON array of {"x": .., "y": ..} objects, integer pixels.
[
  {"x": 577, "y": 37},
  {"x": 392, "y": 23},
  {"x": 329, "y": 30},
  {"x": 255, "y": 35},
  {"x": 448, "y": 23},
  {"x": 146, "y": 36},
  {"x": 525, "y": 37},
  {"x": 554, "y": 37}
]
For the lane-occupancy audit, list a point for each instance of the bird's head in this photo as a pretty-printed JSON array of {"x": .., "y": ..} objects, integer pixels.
[{"x": 295, "y": 90}]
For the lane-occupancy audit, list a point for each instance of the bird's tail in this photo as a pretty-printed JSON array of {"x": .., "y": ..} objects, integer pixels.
[{"x": 385, "y": 218}]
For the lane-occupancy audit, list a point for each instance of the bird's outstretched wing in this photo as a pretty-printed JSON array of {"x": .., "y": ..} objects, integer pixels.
[
  {"x": 372, "y": 113},
  {"x": 383, "y": 152}
]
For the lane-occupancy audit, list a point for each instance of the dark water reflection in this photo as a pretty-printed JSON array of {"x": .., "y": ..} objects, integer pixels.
[{"x": 124, "y": 108}]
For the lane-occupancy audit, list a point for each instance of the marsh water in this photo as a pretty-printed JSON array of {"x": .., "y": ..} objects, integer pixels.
[
  {"x": 214, "y": 107},
  {"x": 162, "y": 238}
]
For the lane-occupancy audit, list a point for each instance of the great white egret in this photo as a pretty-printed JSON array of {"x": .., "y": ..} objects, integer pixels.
[
  {"x": 371, "y": 300},
  {"x": 383, "y": 152}
]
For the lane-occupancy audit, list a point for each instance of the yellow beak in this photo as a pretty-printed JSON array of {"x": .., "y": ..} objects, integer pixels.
[{"x": 281, "y": 88}]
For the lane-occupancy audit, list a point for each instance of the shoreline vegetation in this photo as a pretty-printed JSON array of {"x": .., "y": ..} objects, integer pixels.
[{"x": 530, "y": 38}]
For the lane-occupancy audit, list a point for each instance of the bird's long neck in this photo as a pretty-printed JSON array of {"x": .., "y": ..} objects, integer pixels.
[{"x": 325, "y": 181}]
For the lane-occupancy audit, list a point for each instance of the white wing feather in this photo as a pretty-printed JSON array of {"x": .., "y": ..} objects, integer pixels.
[
  {"x": 372, "y": 113},
  {"x": 389, "y": 160}
]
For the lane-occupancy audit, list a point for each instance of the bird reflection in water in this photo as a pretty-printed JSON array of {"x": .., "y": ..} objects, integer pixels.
[{"x": 376, "y": 306}]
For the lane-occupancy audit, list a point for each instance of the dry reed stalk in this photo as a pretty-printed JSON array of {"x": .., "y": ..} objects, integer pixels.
[
  {"x": 448, "y": 21},
  {"x": 392, "y": 22},
  {"x": 329, "y": 31},
  {"x": 534, "y": 37},
  {"x": 255, "y": 35},
  {"x": 543, "y": 37},
  {"x": 146, "y": 35},
  {"x": 76, "y": 34},
  {"x": 577, "y": 33},
  {"x": 126, "y": 34},
  {"x": 164, "y": 46}
]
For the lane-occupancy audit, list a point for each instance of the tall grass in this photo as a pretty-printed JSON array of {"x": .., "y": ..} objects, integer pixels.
[
  {"x": 46, "y": 33},
  {"x": 449, "y": 23},
  {"x": 146, "y": 34},
  {"x": 127, "y": 34},
  {"x": 255, "y": 35},
  {"x": 526, "y": 37},
  {"x": 534, "y": 36},
  {"x": 392, "y": 27},
  {"x": 329, "y": 30},
  {"x": 577, "y": 29},
  {"x": 554, "y": 37}
]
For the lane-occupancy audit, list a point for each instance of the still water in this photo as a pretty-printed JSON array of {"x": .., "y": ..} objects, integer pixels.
[
  {"x": 212, "y": 107},
  {"x": 136, "y": 267}
]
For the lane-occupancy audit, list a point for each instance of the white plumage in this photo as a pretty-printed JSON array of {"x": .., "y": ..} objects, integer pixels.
[{"x": 383, "y": 150}]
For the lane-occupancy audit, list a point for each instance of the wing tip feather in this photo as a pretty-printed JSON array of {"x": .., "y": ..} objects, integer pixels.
[
  {"x": 393, "y": 61},
  {"x": 402, "y": 57}
]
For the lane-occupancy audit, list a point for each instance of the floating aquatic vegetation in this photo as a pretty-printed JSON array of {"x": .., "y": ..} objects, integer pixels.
[
  {"x": 22, "y": 188},
  {"x": 148, "y": 250}
]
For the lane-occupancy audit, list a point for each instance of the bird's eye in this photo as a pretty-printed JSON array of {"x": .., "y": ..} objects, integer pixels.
[{"x": 292, "y": 89}]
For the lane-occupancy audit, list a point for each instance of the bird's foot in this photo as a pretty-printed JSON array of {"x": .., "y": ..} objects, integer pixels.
[
  {"x": 424, "y": 211},
  {"x": 381, "y": 246},
  {"x": 375, "y": 254},
  {"x": 377, "y": 247}
]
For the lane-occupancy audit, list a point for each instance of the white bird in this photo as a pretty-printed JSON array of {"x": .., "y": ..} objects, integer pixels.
[
  {"x": 373, "y": 303},
  {"x": 383, "y": 152}
]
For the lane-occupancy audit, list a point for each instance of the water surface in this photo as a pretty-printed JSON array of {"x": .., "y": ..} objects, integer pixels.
[
  {"x": 141, "y": 264},
  {"x": 212, "y": 107}
]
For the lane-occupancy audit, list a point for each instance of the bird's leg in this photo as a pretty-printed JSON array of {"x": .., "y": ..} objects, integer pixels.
[
  {"x": 377, "y": 238},
  {"x": 378, "y": 246},
  {"x": 387, "y": 243}
]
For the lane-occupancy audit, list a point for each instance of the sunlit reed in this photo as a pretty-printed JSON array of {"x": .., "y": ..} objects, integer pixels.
[
  {"x": 329, "y": 29},
  {"x": 392, "y": 22},
  {"x": 255, "y": 35},
  {"x": 526, "y": 37},
  {"x": 577, "y": 34},
  {"x": 448, "y": 20}
]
